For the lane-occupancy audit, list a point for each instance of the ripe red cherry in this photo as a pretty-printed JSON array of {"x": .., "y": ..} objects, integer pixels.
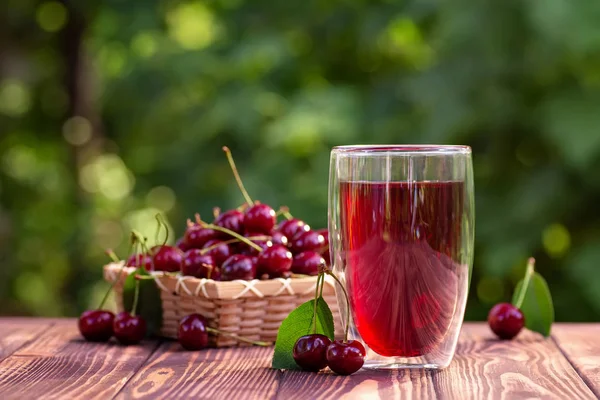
[
  {"x": 196, "y": 236},
  {"x": 292, "y": 228},
  {"x": 506, "y": 320},
  {"x": 309, "y": 352},
  {"x": 345, "y": 358},
  {"x": 238, "y": 266},
  {"x": 181, "y": 245},
  {"x": 308, "y": 263},
  {"x": 220, "y": 251},
  {"x": 264, "y": 244},
  {"x": 199, "y": 265},
  {"x": 326, "y": 253},
  {"x": 232, "y": 220},
  {"x": 279, "y": 238},
  {"x": 308, "y": 241},
  {"x": 129, "y": 329},
  {"x": 167, "y": 258},
  {"x": 140, "y": 260},
  {"x": 96, "y": 325},
  {"x": 260, "y": 218},
  {"x": 192, "y": 334},
  {"x": 274, "y": 261}
]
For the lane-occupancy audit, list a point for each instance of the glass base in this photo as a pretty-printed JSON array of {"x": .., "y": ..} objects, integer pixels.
[{"x": 382, "y": 365}]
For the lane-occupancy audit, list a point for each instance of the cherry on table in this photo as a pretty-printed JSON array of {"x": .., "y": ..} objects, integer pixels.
[
  {"x": 140, "y": 260},
  {"x": 129, "y": 329},
  {"x": 310, "y": 352},
  {"x": 199, "y": 265},
  {"x": 232, "y": 220},
  {"x": 345, "y": 358},
  {"x": 220, "y": 251},
  {"x": 196, "y": 236},
  {"x": 308, "y": 241},
  {"x": 192, "y": 333},
  {"x": 260, "y": 218},
  {"x": 167, "y": 258},
  {"x": 292, "y": 228},
  {"x": 308, "y": 263},
  {"x": 238, "y": 266},
  {"x": 96, "y": 325},
  {"x": 274, "y": 261},
  {"x": 506, "y": 320}
]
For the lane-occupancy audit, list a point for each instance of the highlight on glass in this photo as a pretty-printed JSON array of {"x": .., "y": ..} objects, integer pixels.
[{"x": 401, "y": 225}]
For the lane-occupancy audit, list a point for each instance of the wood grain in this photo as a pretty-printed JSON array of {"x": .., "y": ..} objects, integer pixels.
[
  {"x": 15, "y": 332},
  {"x": 59, "y": 364},
  {"x": 580, "y": 343},
  {"x": 171, "y": 373}
]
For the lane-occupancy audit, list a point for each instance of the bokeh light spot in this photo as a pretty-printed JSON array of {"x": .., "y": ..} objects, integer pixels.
[
  {"x": 192, "y": 25},
  {"x": 107, "y": 234},
  {"x": 108, "y": 176},
  {"x": 77, "y": 131},
  {"x": 51, "y": 16},
  {"x": 490, "y": 289},
  {"x": 403, "y": 38},
  {"x": 144, "y": 44},
  {"x": 556, "y": 240},
  {"x": 161, "y": 197},
  {"x": 15, "y": 98},
  {"x": 20, "y": 162}
]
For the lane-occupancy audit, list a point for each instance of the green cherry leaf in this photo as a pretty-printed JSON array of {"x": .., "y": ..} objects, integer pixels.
[
  {"x": 537, "y": 304},
  {"x": 297, "y": 324},
  {"x": 149, "y": 303}
]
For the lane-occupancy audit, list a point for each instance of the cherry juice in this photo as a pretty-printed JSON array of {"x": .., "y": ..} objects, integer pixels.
[{"x": 401, "y": 245}]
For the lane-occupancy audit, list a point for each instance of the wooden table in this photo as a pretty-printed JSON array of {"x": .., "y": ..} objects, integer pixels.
[{"x": 42, "y": 358}]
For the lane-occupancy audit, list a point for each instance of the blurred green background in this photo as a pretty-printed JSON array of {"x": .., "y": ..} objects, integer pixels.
[{"x": 111, "y": 111}]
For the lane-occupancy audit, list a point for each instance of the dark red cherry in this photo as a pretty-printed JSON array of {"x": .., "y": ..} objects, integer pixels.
[
  {"x": 196, "y": 236},
  {"x": 308, "y": 263},
  {"x": 506, "y": 320},
  {"x": 96, "y": 325},
  {"x": 199, "y": 265},
  {"x": 326, "y": 253},
  {"x": 129, "y": 329},
  {"x": 167, "y": 258},
  {"x": 345, "y": 358},
  {"x": 308, "y": 241},
  {"x": 264, "y": 244},
  {"x": 140, "y": 260},
  {"x": 309, "y": 352},
  {"x": 260, "y": 218},
  {"x": 274, "y": 261},
  {"x": 292, "y": 228},
  {"x": 181, "y": 245},
  {"x": 192, "y": 334},
  {"x": 232, "y": 220},
  {"x": 238, "y": 266},
  {"x": 219, "y": 251},
  {"x": 279, "y": 238}
]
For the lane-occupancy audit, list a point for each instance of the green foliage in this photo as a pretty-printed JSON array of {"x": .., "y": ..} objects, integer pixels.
[
  {"x": 149, "y": 304},
  {"x": 167, "y": 83},
  {"x": 297, "y": 324},
  {"x": 537, "y": 304}
]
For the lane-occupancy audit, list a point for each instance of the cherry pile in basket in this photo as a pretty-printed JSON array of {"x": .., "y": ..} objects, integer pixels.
[{"x": 243, "y": 243}]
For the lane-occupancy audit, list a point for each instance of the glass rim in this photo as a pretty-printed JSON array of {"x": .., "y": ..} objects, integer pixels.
[{"x": 373, "y": 149}]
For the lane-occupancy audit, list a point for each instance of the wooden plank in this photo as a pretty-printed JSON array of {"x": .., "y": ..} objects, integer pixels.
[
  {"x": 227, "y": 373},
  {"x": 529, "y": 367},
  {"x": 580, "y": 343},
  {"x": 15, "y": 332},
  {"x": 60, "y": 364}
]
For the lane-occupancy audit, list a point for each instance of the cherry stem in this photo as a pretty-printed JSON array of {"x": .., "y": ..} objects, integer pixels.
[
  {"x": 136, "y": 296},
  {"x": 528, "y": 273},
  {"x": 162, "y": 224},
  {"x": 230, "y": 241},
  {"x": 110, "y": 253},
  {"x": 236, "y": 337},
  {"x": 286, "y": 213},
  {"x": 216, "y": 212},
  {"x": 234, "y": 234},
  {"x": 314, "y": 318},
  {"x": 347, "y": 304},
  {"x": 236, "y": 175}
]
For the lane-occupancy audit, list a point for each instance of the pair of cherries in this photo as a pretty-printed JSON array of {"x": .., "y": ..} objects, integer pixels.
[
  {"x": 101, "y": 325},
  {"x": 315, "y": 352}
]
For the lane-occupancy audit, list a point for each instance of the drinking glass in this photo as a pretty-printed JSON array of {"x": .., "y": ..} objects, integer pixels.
[{"x": 401, "y": 225}]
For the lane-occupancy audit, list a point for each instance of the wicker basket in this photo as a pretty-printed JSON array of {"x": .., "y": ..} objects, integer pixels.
[{"x": 253, "y": 309}]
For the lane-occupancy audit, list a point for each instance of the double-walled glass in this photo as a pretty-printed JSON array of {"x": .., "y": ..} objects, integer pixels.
[{"x": 401, "y": 225}]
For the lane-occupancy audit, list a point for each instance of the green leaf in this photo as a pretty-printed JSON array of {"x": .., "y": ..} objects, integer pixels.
[
  {"x": 149, "y": 303},
  {"x": 537, "y": 306},
  {"x": 297, "y": 324}
]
